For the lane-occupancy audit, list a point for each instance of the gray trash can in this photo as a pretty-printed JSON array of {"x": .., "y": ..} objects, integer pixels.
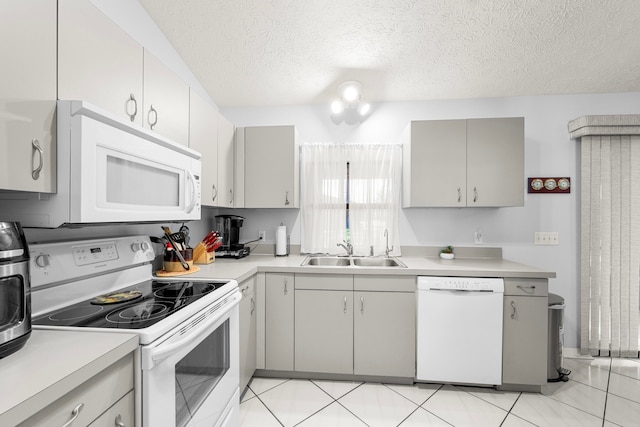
[{"x": 555, "y": 371}]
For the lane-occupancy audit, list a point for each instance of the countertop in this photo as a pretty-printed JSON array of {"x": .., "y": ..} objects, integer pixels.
[
  {"x": 241, "y": 269},
  {"x": 51, "y": 364}
]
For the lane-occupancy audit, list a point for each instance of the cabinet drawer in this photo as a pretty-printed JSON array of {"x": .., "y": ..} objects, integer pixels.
[
  {"x": 333, "y": 282},
  {"x": 123, "y": 410},
  {"x": 97, "y": 394},
  {"x": 248, "y": 286},
  {"x": 385, "y": 283},
  {"x": 526, "y": 287}
]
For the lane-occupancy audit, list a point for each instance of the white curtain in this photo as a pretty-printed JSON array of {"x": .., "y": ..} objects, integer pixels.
[
  {"x": 610, "y": 245},
  {"x": 374, "y": 193}
]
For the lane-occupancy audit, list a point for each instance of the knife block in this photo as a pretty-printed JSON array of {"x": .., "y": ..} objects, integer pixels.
[{"x": 205, "y": 258}]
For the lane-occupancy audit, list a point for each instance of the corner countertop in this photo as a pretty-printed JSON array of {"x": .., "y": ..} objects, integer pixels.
[
  {"x": 241, "y": 269},
  {"x": 51, "y": 364}
]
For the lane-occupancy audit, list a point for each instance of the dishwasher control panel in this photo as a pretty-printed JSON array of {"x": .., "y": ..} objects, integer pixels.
[{"x": 469, "y": 284}]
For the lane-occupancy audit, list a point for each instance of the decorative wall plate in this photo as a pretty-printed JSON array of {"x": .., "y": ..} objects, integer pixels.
[{"x": 549, "y": 185}]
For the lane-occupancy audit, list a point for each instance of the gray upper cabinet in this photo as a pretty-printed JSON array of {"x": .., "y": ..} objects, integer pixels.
[
  {"x": 203, "y": 137},
  {"x": 271, "y": 167},
  {"x": 457, "y": 163},
  {"x": 226, "y": 196},
  {"x": 28, "y": 96},
  {"x": 98, "y": 62}
]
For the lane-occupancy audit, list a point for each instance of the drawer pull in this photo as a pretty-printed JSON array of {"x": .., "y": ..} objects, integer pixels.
[
  {"x": 527, "y": 288},
  {"x": 513, "y": 306},
  {"x": 74, "y": 413},
  {"x": 119, "y": 422}
]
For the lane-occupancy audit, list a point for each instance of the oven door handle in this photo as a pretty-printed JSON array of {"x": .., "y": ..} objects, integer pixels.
[{"x": 202, "y": 329}]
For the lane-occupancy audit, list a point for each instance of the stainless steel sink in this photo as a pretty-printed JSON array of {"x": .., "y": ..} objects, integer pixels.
[
  {"x": 333, "y": 261},
  {"x": 377, "y": 262},
  {"x": 326, "y": 261}
]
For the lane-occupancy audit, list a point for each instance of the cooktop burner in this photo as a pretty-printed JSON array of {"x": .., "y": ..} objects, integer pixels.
[{"x": 159, "y": 299}]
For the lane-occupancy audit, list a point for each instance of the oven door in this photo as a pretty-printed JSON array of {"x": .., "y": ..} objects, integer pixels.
[{"x": 192, "y": 376}]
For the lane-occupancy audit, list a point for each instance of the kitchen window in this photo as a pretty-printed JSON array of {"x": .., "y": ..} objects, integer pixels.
[{"x": 350, "y": 192}]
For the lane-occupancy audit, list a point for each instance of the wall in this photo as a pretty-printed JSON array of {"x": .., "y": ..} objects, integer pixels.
[{"x": 548, "y": 152}]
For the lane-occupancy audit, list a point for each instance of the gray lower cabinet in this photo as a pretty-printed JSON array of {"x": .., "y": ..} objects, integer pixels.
[
  {"x": 247, "y": 331},
  {"x": 384, "y": 335},
  {"x": 279, "y": 309},
  {"x": 524, "y": 349},
  {"x": 324, "y": 331}
]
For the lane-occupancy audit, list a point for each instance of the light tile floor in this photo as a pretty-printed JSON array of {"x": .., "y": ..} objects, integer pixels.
[{"x": 601, "y": 392}]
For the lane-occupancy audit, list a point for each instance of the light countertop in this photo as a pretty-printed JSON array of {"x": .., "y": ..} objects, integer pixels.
[
  {"x": 51, "y": 364},
  {"x": 241, "y": 269}
]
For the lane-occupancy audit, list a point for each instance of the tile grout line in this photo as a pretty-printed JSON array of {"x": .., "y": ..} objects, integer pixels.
[{"x": 338, "y": 402}]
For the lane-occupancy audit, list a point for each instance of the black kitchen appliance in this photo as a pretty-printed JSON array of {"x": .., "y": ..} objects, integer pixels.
[
  {"x": 15, "y": 289},
  {"x": 229, "y": 228}
]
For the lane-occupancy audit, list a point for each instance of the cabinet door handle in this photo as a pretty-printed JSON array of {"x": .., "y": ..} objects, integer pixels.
[
  {"x": 74, "y": 415},
  {"x": 513, "y": 308},
  {"x": 35, "y": 145},
  {"x": 362, "y": 305},
  {"x": 214, "y": 193},
  {"x": 253, "y": 306},
  {"x": 459, "y": 195},
  {"x": 118, "y": 421},
  {"x": 286, "y": 291},
  {"x": 475, "y": 194},
  {"x": 153, "y": 123},
  {"x": 527, "y": 288},
  {"x": 286, "y": 198},
  {"x": 230, "y": 196},
  {"x": 345, "y": 305},
  {"x": 132, "y": 100}
]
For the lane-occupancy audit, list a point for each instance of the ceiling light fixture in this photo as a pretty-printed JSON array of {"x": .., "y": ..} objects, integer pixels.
[{"x": 348, "y": 106}]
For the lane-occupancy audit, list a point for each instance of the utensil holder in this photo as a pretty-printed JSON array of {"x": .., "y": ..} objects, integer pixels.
[{"x": 172, "y": 263}]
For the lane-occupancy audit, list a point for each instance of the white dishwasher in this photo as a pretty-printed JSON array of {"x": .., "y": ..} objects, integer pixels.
[{"x": 459, "y": 330}]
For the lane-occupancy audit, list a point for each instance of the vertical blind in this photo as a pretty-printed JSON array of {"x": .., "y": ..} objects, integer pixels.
[{"x": 610, "y": 245}]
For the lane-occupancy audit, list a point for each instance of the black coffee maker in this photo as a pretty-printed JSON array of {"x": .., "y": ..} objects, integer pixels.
[{"x": 229, "y": 228}]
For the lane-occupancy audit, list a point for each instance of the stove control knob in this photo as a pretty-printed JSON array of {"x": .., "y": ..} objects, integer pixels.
[
  {"x": 42, "y": 260},
  {"x": 145, "y": 246},
  {"x": 135, "y": 247}
]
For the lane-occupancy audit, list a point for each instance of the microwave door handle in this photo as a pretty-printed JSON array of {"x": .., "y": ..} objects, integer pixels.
[
  {"x": 193, "y": 192},
  {"x": 164, "y": 352}
]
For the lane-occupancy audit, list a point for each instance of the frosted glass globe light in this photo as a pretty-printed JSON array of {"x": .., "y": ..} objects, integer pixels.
[{"x": 337, "y": 107}]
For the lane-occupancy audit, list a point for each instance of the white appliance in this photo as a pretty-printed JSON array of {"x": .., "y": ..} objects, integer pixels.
[
  {"x": 110, "y": 171},
  {"x": 188, "y": 328},
  {"x": 459, "y": 330}
]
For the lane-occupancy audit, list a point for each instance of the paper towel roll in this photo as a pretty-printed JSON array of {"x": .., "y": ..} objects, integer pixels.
[{"x": 281, "y": 240}]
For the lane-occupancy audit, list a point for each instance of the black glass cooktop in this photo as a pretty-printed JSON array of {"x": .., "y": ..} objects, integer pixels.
[{"x": 135, "y": 307}]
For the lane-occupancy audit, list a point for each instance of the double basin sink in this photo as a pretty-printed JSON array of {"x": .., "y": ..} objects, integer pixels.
[{"x": 338, "y": 261}]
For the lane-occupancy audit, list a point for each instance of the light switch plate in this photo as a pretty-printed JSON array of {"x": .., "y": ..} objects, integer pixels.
[{"x": 547, "y": 238}]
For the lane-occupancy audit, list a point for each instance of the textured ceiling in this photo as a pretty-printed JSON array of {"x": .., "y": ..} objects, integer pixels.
[{"x": 280, "y": 52}]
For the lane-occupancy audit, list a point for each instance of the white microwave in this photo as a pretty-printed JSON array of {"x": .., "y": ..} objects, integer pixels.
[{"x": 110, "y": 171}]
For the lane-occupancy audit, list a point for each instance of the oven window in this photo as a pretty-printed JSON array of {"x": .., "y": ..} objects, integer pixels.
[
  {"x": 12, "y": 300},
  {"x": 199, "y": 371}
]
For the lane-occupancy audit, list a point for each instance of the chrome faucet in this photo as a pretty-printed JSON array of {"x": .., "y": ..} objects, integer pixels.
[
  {"x": 387, "y": 250},
  {"x": 347, "y": 247}
]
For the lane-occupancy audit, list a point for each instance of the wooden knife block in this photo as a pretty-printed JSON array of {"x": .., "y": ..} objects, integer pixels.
[{"x": 206, "y": 258}]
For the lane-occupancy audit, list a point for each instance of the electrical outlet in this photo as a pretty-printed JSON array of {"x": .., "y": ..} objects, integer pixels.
[
  {"x": 261, "y": 235},
  {"x": 547, "y": 238},
  {"x": 477, "y": 237}
]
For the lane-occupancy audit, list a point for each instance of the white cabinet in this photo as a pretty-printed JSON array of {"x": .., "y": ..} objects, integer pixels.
[
  {"x": 203, "y": 137},
  {"x": 279, "y": 318},
  {"x": 103, "y": 399},
  {"x": 98, "y": 62},
  {"x": 384, "y": 326},
  {"x": 28, "y": 95},
  {"x": 166, "y": 101},
  {"x": 271, "y": 167},
  {"x": 247, "y": 331},
  {"x": 226, "y": 196},
  {"x": 324, "y": 323},
  {"x": 456, "y": 163},
  {"x": 525, "y": 317}
]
